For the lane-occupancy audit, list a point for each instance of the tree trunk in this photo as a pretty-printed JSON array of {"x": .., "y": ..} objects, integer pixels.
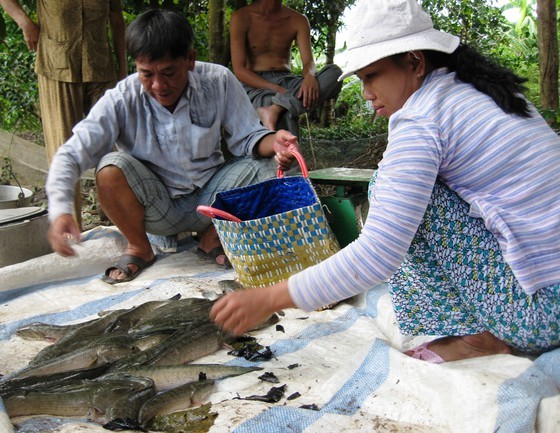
[
  {"x": 548, "y": 54},
  {"x": 216, "y": 25},
  {"x": 327, "y": 111}
]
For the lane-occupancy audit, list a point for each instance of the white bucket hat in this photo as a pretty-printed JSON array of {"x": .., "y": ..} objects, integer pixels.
[{"x": 381, "y": 28}]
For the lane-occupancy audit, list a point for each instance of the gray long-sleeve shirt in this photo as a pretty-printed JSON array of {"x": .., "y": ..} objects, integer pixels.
[{"x": 183, "y": 147}]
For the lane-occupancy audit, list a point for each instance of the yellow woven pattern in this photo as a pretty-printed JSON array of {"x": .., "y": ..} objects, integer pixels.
[{"x": 270, "y": 249}]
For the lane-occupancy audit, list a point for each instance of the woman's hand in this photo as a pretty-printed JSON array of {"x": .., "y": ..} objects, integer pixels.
[{"x": 240, "y": 311}]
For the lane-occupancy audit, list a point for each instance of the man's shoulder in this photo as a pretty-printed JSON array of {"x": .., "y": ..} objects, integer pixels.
[
  {"x": 211, "y": 75},
  {"x": 209, "y": 68},
  {"x": 129, "y": 86}
]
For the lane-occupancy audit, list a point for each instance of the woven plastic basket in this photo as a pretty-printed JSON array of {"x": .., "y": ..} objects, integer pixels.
[{"x": 272, "y": 229}]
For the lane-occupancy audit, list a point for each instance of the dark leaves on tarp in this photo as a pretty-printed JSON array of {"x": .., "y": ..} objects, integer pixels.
[
  {"x": 274, "y": 395},
  {"x": 124, "y": 424},
  {"x": 248, "y": 348},
  {"x": 269, "y": 377},
  {"x": 294, "y": 396},
  {"x": 312, "y": 406}
]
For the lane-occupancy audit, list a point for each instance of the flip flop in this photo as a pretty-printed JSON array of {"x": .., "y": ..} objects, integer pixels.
[
  {"x": 422, "y": 352},
  {"x": 122, "y": 265},
  {"x": 213, "y": 254}
]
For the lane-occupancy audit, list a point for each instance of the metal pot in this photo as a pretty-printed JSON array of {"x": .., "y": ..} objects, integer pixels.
[
  {"x": 23, "y": 234},
  {"x": 14, "y": 196}
]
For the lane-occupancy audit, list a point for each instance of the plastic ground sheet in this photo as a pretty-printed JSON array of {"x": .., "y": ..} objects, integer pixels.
[{"x": 343, "y": 368}]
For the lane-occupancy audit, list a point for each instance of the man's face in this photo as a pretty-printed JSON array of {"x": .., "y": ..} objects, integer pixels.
[{"x": 165, "y": 79}]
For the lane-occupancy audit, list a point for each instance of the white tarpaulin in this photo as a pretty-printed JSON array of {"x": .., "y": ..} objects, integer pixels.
[{"x": 346, "y": 363}]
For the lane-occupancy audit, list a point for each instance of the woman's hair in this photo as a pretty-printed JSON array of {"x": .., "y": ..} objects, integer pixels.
[
  {"x": 487, "y": 76},
  {"x": 157, "y": 33}
]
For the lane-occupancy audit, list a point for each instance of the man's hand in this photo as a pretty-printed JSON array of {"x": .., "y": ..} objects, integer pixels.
[
  {"x": 31, "y": 34},
  {"x": 309, "y": 91},
  {"x": 63, "y": 233},
  {"x": 284, "y": 142},
  {"x": 29, "y": 28}
]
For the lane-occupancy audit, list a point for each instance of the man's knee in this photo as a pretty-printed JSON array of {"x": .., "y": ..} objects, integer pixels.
[{"x": 328, "y": 81}]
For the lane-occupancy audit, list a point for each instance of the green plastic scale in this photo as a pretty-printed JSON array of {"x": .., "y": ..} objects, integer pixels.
[{"x": 347, "y": 207}]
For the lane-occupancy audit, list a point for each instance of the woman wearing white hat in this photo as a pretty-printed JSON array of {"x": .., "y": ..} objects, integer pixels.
[{"x": 464, "y": 220}]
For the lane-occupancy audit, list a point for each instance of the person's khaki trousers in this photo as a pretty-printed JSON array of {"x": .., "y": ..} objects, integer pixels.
[{"x": 63, "y": 105}]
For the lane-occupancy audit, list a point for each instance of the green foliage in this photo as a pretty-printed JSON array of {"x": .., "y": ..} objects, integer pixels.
[
  {"x": 18, "y": 82},
  {"x": 354, "y": 118},
  {"x": 6, "y": 172},
  {"x": 321, "y": 14},
  {"x": 478, "y": 23}
]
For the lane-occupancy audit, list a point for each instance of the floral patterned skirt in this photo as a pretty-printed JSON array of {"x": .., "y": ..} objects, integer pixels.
[{"x": 454, "y": 281}]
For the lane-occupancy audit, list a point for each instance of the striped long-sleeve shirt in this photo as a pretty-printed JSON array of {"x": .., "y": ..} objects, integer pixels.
[{"x": 507, "y": 168}]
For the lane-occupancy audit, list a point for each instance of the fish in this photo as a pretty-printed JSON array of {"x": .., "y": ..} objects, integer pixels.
[
  {"x": 175, "y": 400},
  {"x": 142, "y": 340},
  {"x": 166, "y": 377},
  {"x": 80, "y": 358},
  {"x": 39, "y": 331},
  {"x": 230, "y": 286},
  {"x": 177, "y": 336},
  {"x": 126, "y": 320},
  {"x": 109, "y": 367},
  {"x": 188, "y": 346},
  {"x": 75, "y": 336},
  {"x": 69, "y": 336},
  {"x": 13, "y": 386},
  {"x": 177, "y": 314},
  {"x": 101, "y": 399},
  {"x": 194, "y": 419}
]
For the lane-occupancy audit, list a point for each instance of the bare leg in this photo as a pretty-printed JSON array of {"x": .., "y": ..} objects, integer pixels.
[
  {"x": 469, "y": 346},
  {"x": 270, "y": 115},
  {"x": 210, "y": 240},
  {"x": 125, "y": 211}
]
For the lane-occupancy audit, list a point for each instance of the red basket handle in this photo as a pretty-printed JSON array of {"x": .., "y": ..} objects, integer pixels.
[
  {"x": 300, "y": 161},
  {"x": 212, "y": 212}
]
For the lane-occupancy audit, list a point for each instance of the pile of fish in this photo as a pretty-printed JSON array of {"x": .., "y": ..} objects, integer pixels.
[{"x": 122, "y": 368}]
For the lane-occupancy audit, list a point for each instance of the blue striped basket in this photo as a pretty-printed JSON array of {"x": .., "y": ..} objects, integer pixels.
[{"x": 281, "y": 229}]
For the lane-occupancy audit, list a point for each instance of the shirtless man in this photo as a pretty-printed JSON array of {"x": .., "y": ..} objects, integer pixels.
[{"x": 262, "y": 35}]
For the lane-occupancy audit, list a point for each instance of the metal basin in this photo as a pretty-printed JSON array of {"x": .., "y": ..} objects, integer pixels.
[
  {"x": 23, "y": 234},
  {"x": 14, "y": 196}
]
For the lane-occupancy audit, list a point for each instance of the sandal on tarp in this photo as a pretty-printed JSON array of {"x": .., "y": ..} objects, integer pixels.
[
  {"x": 122, "y": 265},
  {"x": 422, "y": 352},
  {"x": 214, "y": 254}
]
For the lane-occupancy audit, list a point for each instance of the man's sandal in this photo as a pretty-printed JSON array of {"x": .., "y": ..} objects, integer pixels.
[
  {"x": 122, "y": 265},
  {"x": 214, "y": 254}
]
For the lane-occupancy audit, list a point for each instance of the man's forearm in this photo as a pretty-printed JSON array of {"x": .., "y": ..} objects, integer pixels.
[
  {"x": 309, "y": 69},
  {"x": 265, "y": 147},
  {"x": 15, "y": 11}
]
